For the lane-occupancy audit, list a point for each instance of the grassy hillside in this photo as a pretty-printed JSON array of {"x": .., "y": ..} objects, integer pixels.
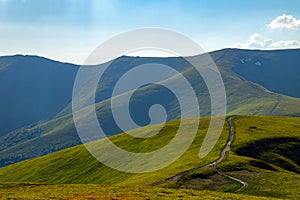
[
  {"x": 93, "y": 191},
  {"x": 91, "y": 171},
  {"x": 28, "y": 142},
  {"x": 265, "y": 154},
  {"x": 270, "y": 171},
  {"x": 243, "y": 98}
]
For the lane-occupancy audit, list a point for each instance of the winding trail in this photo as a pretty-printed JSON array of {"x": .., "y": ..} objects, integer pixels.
[
  {"x": 223, "y": 156},
  {"x": 213, "y": 164}
]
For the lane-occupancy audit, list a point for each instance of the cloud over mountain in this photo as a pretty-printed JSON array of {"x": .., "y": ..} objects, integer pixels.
[
  {"x": 284, "y": 21},
  {"x": 258, "y": 41}
]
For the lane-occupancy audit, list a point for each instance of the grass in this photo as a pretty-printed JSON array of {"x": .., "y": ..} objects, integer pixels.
[
  {"x": 94, "y": 191},
  {"x": 205, "y": 179},
  {"x": 76, "y": 165},
  {"x": 265, "y": 153},
  {"x": 264, "y": 137}
]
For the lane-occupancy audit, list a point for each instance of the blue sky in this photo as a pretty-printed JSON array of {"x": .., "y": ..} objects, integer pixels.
[{"x": 68, "y": 30}]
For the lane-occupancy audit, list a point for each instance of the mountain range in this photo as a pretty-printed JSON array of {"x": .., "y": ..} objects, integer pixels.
[{"x": 36, "y": 95}]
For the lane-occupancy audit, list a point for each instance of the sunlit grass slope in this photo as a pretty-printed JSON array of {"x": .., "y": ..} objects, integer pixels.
[
  {"x": 93, "y": 191},
  {"x": 76, "y": 165},
  {"x": 265, "y": 153}
]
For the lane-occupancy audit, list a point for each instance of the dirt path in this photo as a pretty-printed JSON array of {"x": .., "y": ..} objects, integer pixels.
[
  {"x": 275, "y": 106},
  {"x": 213, "y": 164},
  {"x": 223, "y": 156}
]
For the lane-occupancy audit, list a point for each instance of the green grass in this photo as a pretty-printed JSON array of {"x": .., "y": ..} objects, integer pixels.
[
  {"x": 76, "y": 165},
  {"x": 263, "y": 181},
  {"x": 205, "y": 179},
  {"x": 266, "y": 177},
  {"x": 94, "y": 191},
  {"x": 265, "y": 153}
]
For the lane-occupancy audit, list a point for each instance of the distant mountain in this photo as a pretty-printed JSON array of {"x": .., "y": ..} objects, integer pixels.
[
  {"x": 32, "y": 89},
  {"x": 278, "y": 71},
  {"x": 53, "y": 129}
]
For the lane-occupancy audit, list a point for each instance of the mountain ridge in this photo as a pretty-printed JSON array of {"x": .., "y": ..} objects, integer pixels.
[{"x": 243, "y": 97}]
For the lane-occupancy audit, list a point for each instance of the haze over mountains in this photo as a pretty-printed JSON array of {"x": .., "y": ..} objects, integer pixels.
[{"x": 36, "y": 93}]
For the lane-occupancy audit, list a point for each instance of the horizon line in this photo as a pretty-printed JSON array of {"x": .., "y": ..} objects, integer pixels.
[{"x": 137, "y": 56}]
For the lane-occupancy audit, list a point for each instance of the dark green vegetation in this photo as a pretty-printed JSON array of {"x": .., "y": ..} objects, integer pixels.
[
  {"x": 270, "y": 172},
  {"x": 283, "y": 152},
  {"x": 36, "y": 93}
]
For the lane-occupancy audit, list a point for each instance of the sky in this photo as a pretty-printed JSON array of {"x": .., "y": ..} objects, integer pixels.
[{"x": 69, "y": 30}]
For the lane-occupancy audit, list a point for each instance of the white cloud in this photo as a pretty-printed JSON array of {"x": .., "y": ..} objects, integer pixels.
[
  {"x": 285, "y": 44},
  {"x": 255, "y": 40},
  {"x": 258, "y": 41},
  {"x": 284, "y": 21}
]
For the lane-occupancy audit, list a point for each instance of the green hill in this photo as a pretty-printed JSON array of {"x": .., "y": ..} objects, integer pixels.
[
  {"x": 243, "y": 98},
  {"x": 269, "y": 171},
  {"x": 37, "y": 138}
]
